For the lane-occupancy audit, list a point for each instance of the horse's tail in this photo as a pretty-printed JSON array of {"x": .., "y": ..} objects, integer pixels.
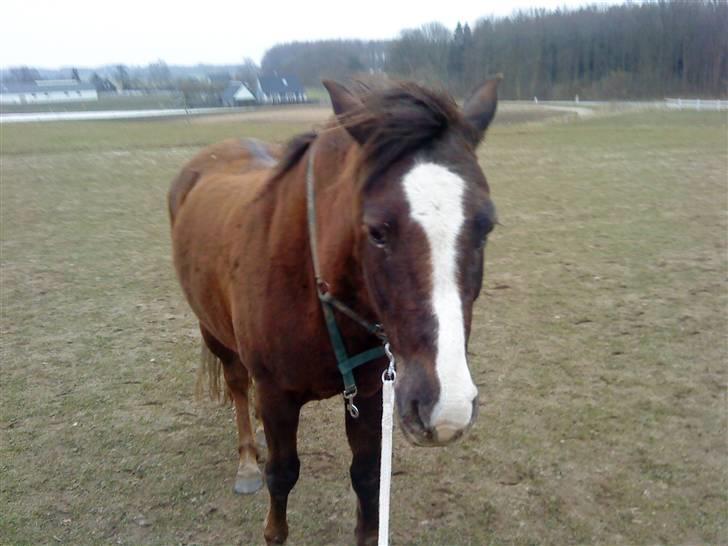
[
  {"x": 181, "y": 186},
  {"x": 209, "y": 377}
]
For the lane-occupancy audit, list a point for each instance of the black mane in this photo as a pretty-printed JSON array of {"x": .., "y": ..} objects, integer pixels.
[
  {"x": 398, "y": 121},
  {"x": 295, "y": 149}
]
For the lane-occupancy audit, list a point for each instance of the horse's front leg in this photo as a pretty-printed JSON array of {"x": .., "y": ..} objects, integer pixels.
[
  {"x": 365, "y": 440},
  {"x": 279, "y": 413}
]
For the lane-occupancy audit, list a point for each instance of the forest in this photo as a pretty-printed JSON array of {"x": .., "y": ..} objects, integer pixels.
[{"x": 645, "y": 50}]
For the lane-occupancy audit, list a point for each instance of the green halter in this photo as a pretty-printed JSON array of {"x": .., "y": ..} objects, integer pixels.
[{"x": 346, "y": 364}]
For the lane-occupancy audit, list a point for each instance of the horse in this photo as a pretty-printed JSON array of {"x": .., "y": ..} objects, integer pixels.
[{"x": 370, "y": 229}]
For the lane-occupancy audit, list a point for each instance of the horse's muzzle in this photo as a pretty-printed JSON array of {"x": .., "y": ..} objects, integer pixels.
[{"x": 412, "y": 419}]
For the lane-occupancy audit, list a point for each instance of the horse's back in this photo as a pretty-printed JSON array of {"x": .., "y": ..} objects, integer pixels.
[
  {"x": 208, "y": 203},
  {"x": 232, "y": 156}
]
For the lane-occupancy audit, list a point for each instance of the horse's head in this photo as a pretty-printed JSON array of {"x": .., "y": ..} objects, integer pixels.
[{"x": 424, "y": 215}]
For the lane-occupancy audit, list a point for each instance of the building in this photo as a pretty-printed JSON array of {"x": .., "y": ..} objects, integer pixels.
[
  {"x": 236, "y": 94},
  {"x": 47, "y": 91},
  {"x": 279, "y": 90}
]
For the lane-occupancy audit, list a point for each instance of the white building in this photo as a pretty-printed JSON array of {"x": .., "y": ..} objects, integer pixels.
[
  {"x": 47, "y": 91},
  {"x": 237, "y": 93}
]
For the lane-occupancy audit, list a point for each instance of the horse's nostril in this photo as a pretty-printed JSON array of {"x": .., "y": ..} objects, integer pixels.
[
  {"x": 418, "y": 420},
  {"x": 476, "y": 406},
  {"x": 416, "y": 414},
  {"x": 416, "y": 406}
]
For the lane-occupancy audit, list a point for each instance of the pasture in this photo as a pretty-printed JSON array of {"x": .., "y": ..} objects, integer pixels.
[{"x": 598, "y": 345}]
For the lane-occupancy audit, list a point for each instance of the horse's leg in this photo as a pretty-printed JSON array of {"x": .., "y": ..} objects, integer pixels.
[
  {"x": 259, "y": 432},
  {"x": 365, "y": 440},
  {"x": 248, "y": 478},
  {"x": 280, "y": 414}
]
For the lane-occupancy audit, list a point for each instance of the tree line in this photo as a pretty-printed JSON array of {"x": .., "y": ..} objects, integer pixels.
[
  {"x": 334, "y": 59},
  {"x": 652, "y": 49}
]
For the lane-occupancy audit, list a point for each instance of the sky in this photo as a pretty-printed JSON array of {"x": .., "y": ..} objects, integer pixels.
[{"x": 89, "y": 33}]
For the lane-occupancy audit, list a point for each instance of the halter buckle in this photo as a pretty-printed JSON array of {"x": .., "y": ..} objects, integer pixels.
[{"x": 323, "y": 287}]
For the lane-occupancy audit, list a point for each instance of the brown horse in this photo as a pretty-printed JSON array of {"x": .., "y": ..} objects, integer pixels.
[{"x": 402, "y": 212}]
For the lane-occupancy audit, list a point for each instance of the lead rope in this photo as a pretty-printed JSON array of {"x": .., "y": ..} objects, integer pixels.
[{"x": 385, "y": 464}]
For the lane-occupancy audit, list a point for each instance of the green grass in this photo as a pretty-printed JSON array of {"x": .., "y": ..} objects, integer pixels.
[
  {"x": 318, "y": 94},
  {"x": 598, "y": 346},
  {"x": 118, "y": 136}
]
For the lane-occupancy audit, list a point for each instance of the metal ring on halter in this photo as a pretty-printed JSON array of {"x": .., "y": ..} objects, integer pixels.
[
  {"x": 380, "y": 333},
  {"x": 352, "y": 409},
  {"x": 390, "y": 374},
  {"x": 349, "y": 395},
  {"x": 322, "y": 286}
]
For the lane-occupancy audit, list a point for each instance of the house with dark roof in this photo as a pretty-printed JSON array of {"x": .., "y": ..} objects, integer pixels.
[
  {"x": 47, "y": 91},
  {"x": 236, "y": 94},
  {"x": 279, "y": 90}
]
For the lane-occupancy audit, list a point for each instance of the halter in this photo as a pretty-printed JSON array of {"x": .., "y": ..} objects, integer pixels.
[{"x": 346, "y": 364}]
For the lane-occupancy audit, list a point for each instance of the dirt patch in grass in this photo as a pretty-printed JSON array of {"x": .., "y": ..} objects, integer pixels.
[
  {"x": 508, "y": 113},
  {"x": 287, "y": 114},
  {"x": 598, "y": 347}
]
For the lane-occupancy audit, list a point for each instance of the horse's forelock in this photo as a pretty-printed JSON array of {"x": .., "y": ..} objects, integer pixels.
[{"x": 399, "y": 120}]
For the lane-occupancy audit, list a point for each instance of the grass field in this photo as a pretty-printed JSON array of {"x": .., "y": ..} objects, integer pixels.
[{"x": 599, "y": 347}]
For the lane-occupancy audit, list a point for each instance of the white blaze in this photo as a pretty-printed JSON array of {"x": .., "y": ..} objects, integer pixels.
[{"x": 435, "y": 196}]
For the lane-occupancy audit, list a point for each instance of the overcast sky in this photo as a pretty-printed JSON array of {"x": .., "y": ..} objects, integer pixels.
[{"x": 87, "y": 33}]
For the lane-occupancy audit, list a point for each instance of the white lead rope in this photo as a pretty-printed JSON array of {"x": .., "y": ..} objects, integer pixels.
[{"x": 385, "y": 465}]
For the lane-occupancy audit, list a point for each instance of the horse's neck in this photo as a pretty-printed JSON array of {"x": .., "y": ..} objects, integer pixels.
[{"x": 337, "y": 220}]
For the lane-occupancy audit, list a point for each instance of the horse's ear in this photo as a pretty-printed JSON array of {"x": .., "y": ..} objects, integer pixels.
[
  {"x": 480, "y": 108},
  {"x": 342, "y": 99},
  {"x": 346, "y": 105}
]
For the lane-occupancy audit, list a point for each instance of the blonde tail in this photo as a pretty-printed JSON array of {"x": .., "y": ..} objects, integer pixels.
[{"x": 209, "y": 374}]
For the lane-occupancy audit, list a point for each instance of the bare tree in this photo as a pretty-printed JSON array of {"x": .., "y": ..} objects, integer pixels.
[
  {"x": 160, "y": 76},
  {"x": 122, "y": 77},
  {"x": 248, "y": 72},
  {"x": 24, "y": 74}
]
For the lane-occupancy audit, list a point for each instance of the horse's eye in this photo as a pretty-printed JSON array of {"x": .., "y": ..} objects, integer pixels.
[
  {"x": 482, "y": 226},
  {"x": 378, "y": 235}
]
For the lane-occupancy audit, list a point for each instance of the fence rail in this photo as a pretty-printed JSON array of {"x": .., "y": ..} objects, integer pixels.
[
  {"x": 697, "y": 104},
  {"x": 90, "y": 115}
]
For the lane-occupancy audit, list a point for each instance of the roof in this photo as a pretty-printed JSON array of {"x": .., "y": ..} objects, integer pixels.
[
  {"x": 280, "y": 85},
  {"x": 44, "y": 87},
  {"x": 232, "y": 90}
]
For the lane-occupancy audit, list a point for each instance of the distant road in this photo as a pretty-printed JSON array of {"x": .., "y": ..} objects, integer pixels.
[{"x": 115, "y": 114}]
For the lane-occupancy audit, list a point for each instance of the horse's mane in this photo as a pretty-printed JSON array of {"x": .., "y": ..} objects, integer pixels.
[
  {"x": 398, "y": 120},
  {"x": 294, "y": 151}
]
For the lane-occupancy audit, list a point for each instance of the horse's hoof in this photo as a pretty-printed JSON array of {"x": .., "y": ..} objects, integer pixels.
[{"x": 247, "y": 483}]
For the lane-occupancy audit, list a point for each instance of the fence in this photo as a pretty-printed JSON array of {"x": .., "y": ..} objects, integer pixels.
[{"x": 697, "y": 104}]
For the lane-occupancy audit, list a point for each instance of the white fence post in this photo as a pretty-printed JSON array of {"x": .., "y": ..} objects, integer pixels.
[{"x": 697, "y": 104}]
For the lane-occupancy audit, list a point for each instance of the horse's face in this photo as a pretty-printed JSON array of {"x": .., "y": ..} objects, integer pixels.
[
  {"x": 424, "y": 231},
  {"x": 423, "y": 227}
]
